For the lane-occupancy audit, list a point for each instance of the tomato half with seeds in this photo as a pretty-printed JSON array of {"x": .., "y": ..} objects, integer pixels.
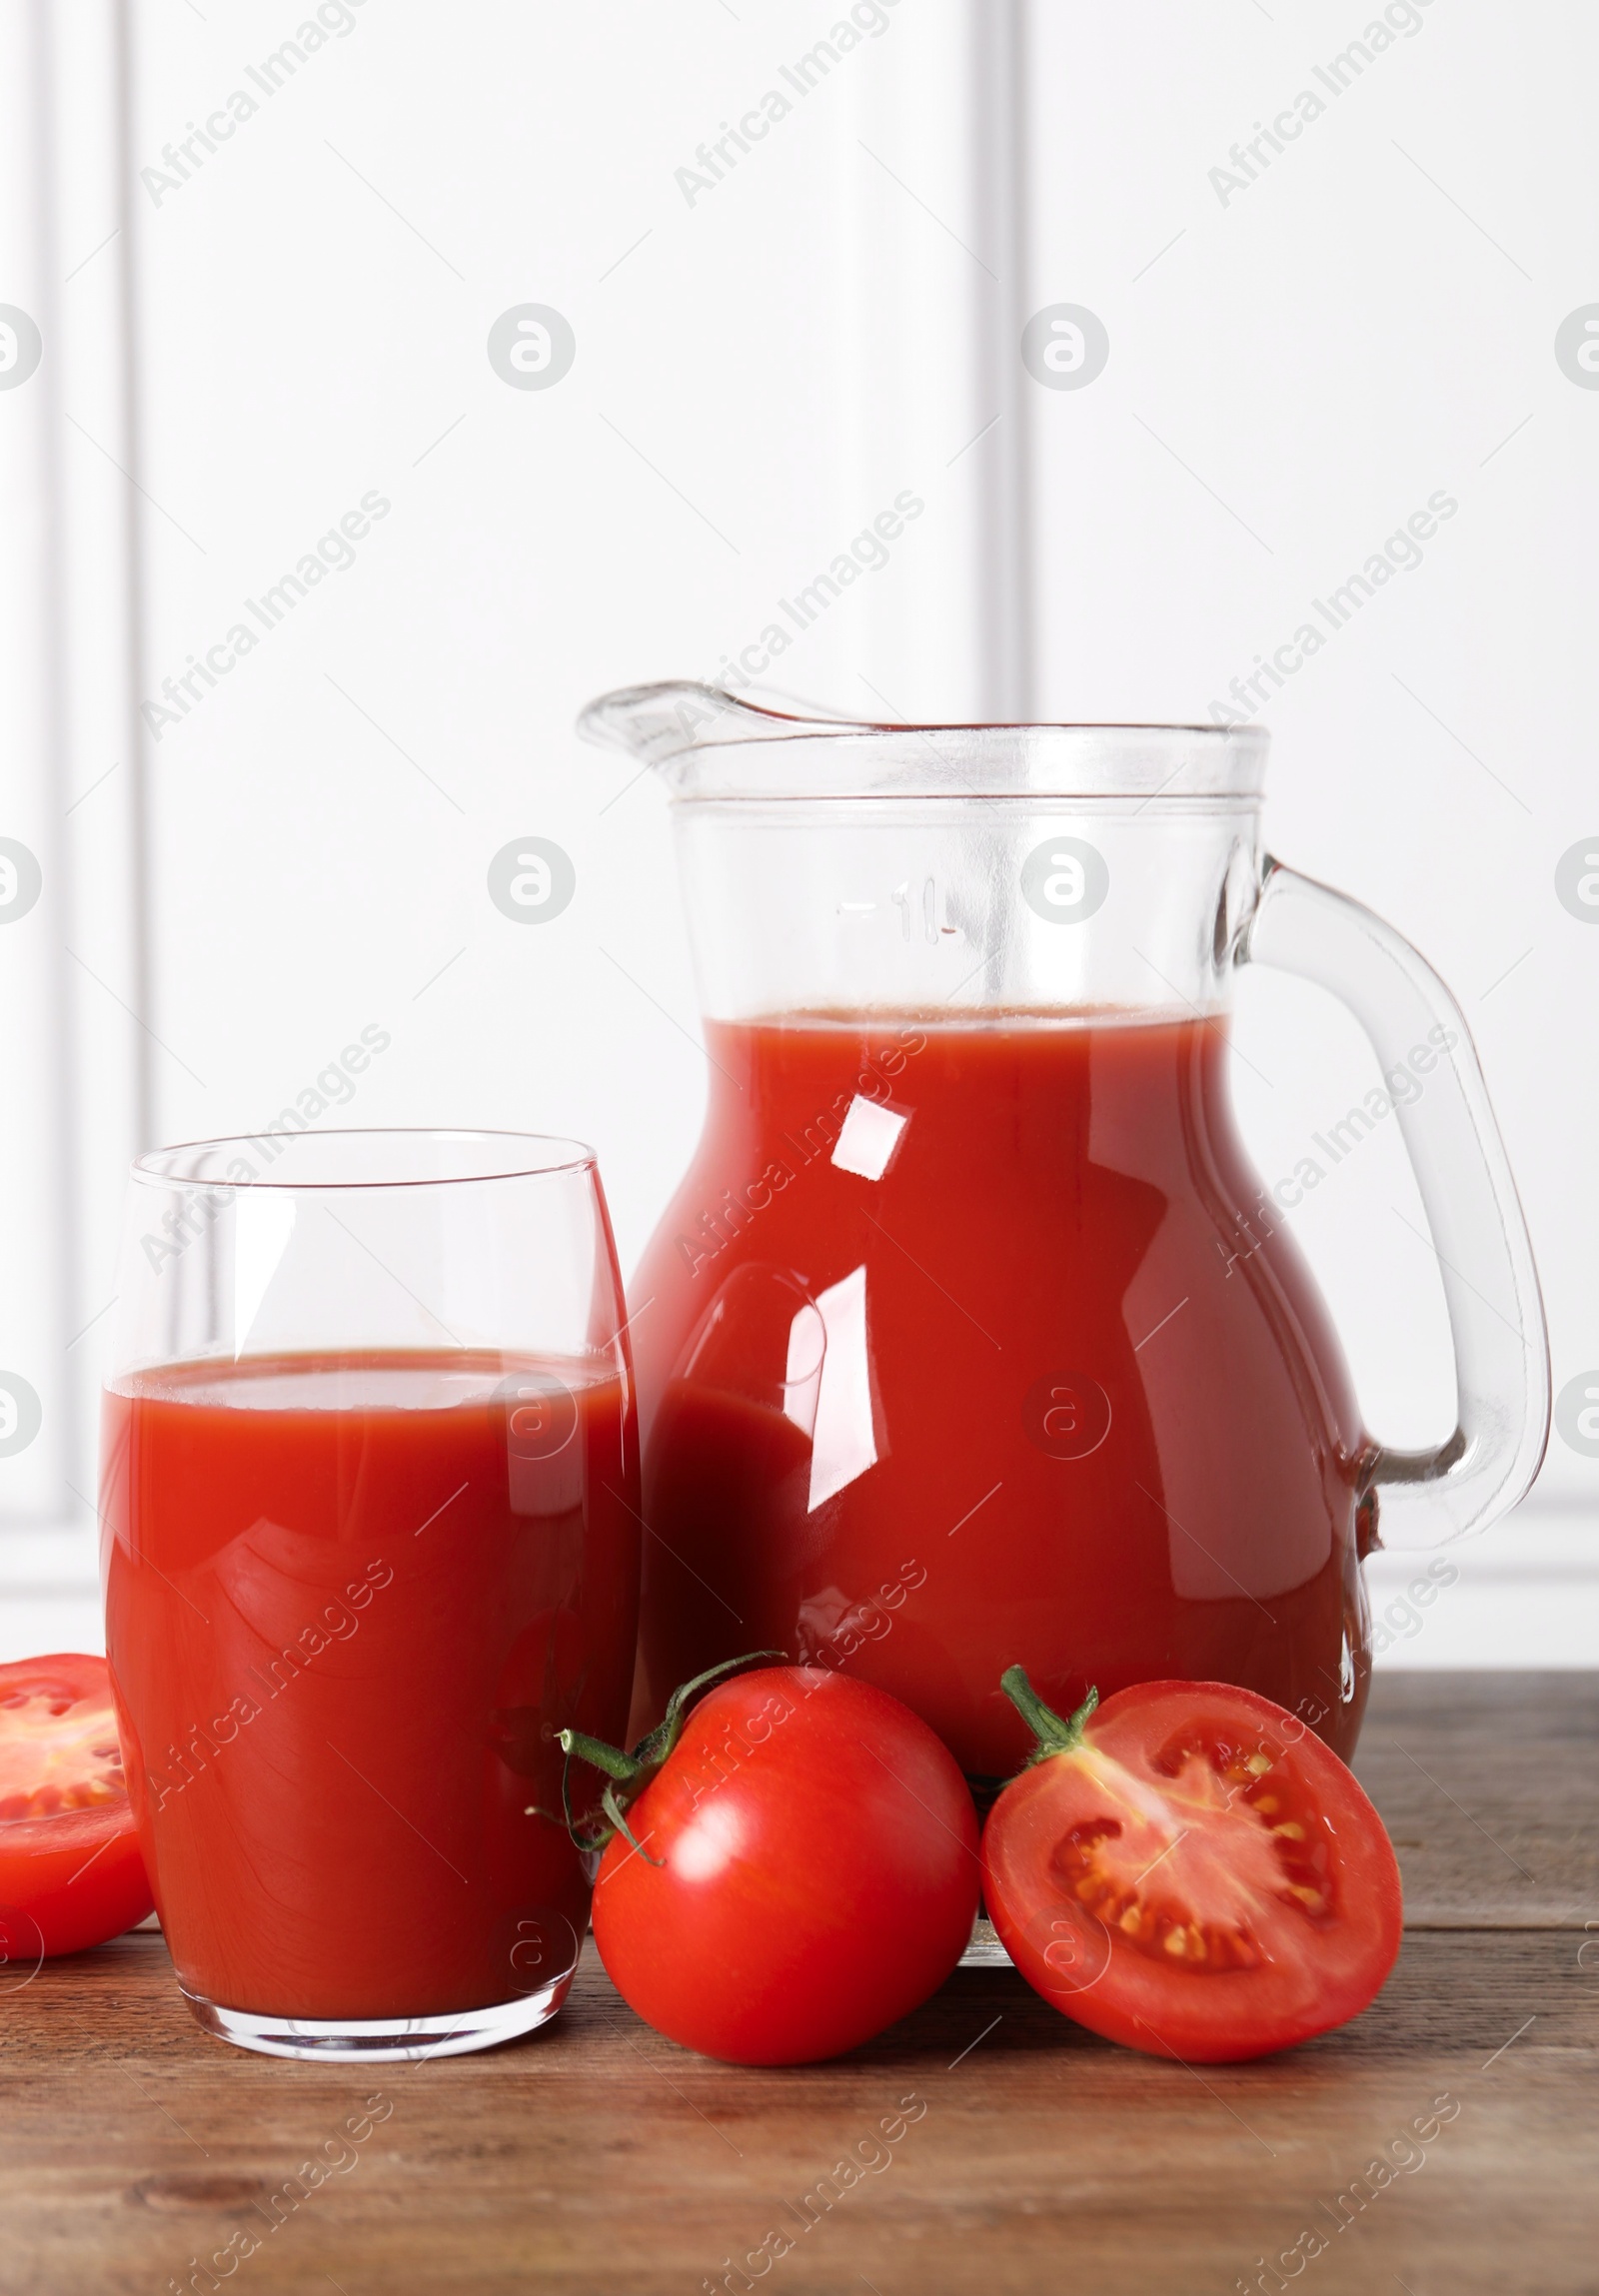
[
  {"x": 71, "y": 1874},
  {"x": 1191, "y": 1871}
]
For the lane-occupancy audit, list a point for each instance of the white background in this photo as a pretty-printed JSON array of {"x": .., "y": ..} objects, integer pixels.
[{"x": 758, "y": 374}]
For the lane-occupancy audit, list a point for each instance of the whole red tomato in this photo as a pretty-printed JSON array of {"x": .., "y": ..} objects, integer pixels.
[
  {"x": 71, "y": 1874},
  {"x": 795, "y": 1866},
  {"x": 1190, "y": 1871}
]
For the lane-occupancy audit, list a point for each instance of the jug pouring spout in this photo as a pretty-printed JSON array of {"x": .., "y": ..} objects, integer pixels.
[{"x": 657, "y": 723}]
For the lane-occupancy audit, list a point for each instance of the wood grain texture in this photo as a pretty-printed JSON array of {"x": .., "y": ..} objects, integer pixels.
[
  {"x": 1464, "y": 1768},
  {"x": 598, "y": 2156}
]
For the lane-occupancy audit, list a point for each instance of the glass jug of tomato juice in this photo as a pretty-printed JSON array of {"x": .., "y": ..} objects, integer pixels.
[{"x": 972, "y": 1336}]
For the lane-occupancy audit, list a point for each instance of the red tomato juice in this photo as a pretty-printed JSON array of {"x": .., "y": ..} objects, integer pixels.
[
  {"x": 1081, "y": 1407},
  {"x": 349, "y": 1604}
]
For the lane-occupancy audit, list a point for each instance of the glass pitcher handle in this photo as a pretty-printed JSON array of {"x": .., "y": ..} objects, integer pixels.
[{"x": 1478, "y": 1233}]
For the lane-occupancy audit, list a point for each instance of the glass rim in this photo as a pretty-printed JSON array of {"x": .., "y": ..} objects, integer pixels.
[
  {"x": 708, "y": 743},
  {"x": 156, "y": 1167},
  {"x": 806, "y": 728}
]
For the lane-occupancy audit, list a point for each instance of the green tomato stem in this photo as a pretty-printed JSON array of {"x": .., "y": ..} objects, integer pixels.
[
  {"x": 1054, "y": 1733},
  {"x": 632, "y": 1772}
]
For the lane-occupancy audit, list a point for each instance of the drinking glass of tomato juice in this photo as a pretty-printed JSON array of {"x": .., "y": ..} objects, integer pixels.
[{"x": 369, "y": 1496}]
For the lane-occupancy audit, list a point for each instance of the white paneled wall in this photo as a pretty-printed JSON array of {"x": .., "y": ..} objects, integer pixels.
[
  {"x": 31, "y": 985},
  {"x": 325, "y": 211},
  {"x": 71, "y": 969},
  {"x": 1299, "y": 365}
]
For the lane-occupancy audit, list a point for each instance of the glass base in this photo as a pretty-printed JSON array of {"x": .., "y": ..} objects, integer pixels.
[
  {"x": 985, "y": 1950},
  {"x": 357, "y": 2040}
]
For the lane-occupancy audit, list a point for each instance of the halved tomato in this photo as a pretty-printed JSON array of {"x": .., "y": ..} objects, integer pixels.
[
  {"x": 71, "y": 1874},
  {"x": 1191, "y": 1871}
]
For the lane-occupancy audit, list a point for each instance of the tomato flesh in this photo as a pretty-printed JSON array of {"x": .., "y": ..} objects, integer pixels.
[
  {"x": 71, "y": 1872},
  {"x": 817, "y": 1875},
  {"x": 1198, "y": 1876}
]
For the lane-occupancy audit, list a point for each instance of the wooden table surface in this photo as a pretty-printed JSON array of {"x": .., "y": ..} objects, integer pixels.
[{"x": 598, "y": 2156}]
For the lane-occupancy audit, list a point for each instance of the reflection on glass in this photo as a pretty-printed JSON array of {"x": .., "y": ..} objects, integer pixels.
[{"x": 1052, "y": 1236}]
